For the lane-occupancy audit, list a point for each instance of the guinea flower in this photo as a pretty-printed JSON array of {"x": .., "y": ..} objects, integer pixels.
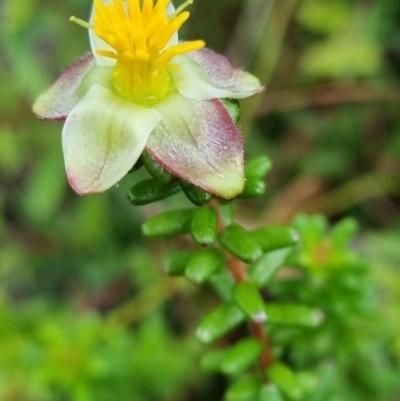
[{"x": 142, "y": 89}]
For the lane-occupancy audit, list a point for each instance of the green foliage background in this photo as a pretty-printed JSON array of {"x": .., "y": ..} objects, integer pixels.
[{"x": 86, "y": 311}]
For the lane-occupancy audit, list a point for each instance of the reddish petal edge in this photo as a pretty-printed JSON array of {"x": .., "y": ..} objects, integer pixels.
[
  {"x": 62, "y": 96},
  {"x": 224, "y": 76},
  {"x": 199, "y": 143}
]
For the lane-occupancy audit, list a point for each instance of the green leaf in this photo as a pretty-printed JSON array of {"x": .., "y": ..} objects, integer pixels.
[
  {"x": 249, "y": 300},
  {"x": 253, "y": 188},
  {"x": 271, "y": 238},
  {"x": 223, "y": 284},
  {"x": 176, "y": 262},
  {"x": 241, "y": 356},
  {"x": 293, "y": 315},
  {"x": 258, "y": 167},
  {"x": 226, "y": 211},
  {"x": 245, "y": 389},
  {"x": 312, "y": 229},
  {"x": 203, "y": 264},
  {"x": 262, "y": 271},
  {"x": 270, "y": 392},
  {"x": 233, "y": 108},
  {"x": 156, "y": 170},
  {"x": 343, "y": 232},
  {"x": 204, "y": 225},
  {"x": 218, "y": 322},
  {"x": 286, "y": 380},
  {"x": 240, "y": 243},
  {"x": 169, "y": 223},
  {"x": 150, "y": 191},
  {"x": 211, "y": 361},
  {"x": 196, "y": 195}
]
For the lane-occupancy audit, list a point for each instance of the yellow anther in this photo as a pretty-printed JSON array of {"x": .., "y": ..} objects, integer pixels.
[{"x": 138, "y": 31}]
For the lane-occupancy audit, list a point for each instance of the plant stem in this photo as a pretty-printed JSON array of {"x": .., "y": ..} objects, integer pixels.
[{"x": 238, "y": 272}]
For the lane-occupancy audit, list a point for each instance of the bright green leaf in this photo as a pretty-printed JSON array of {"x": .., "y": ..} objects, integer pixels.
[
  {"x": 241, "y": 356},
  {"x": 262, "y": 271},
  {"x": 249, "y": 300},
  {"x": 240, "y": 243},
  {"x": 245, "y": 389},
  {"x": 203, "y": 264},
  {"x": 271, "y": 238},
  {"x": 169, "y": 223},
  {"x": 218, "y": 322},
  {"x": 286, "y": 380},
  {"x": 204, "y": 225}
]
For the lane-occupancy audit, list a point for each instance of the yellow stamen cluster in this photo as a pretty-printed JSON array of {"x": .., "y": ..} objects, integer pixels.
[{"x": 139, "y": 33}]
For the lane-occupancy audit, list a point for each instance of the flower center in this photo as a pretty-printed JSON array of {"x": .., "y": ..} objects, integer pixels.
[{"x": 140, "y": 33}]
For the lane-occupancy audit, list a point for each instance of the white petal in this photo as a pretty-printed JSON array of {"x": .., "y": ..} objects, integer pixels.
[
  {"x": 98, "y": 44},
  {"x": 205, "y": 75},
  {"x": 103, "y": 137},
  {"x": 174, "y": 40}
]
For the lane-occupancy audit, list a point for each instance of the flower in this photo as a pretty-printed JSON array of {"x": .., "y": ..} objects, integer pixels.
[{"x": 141, "y": 88}]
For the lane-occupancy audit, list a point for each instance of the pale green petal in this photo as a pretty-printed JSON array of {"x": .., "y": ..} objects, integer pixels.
[
  {"x": 103, "y": 137},
  {"x": 205, "y": 75},
  {"x": 198, "y": 142}
]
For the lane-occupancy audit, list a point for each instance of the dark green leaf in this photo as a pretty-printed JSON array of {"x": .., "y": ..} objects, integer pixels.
[
  {"x": 156, "y": 170},
  {"x": 169, "y": 223},
  {"x": 150, "y": 191},
  {"x": 241, "y": 356},
  {"x": 271, "y": 238},
  {"x": 240, "y": 243},
  {"x": 264, "y": 269},
  {"x": 219, "y": 322},
  {"x": 204, "y": 225},
  {"x": 249, "y": 300},
  {"x": 203, "y": 264},
  {"x": 196, "y": 195}
]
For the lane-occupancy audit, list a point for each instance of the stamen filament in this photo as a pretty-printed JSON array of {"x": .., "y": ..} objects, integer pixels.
[
  {"x": 181, "y": 8},
  {"x": 81, "y": 22}
]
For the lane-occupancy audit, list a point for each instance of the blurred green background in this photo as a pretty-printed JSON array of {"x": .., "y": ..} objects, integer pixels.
[{"x": 86, "y": 312}]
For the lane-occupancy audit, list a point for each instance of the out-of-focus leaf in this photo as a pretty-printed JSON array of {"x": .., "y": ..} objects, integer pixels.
[
  {"x": 219, "y": 322},
  {"x": 262, "y": 271},
  {"x": 245, "y": 389},
  {"x": 249, "y": 300},
  {"x": 241, "y": 356},
  {"x": 203, "y": 264},
  {"x": 286, "y": 380}
]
